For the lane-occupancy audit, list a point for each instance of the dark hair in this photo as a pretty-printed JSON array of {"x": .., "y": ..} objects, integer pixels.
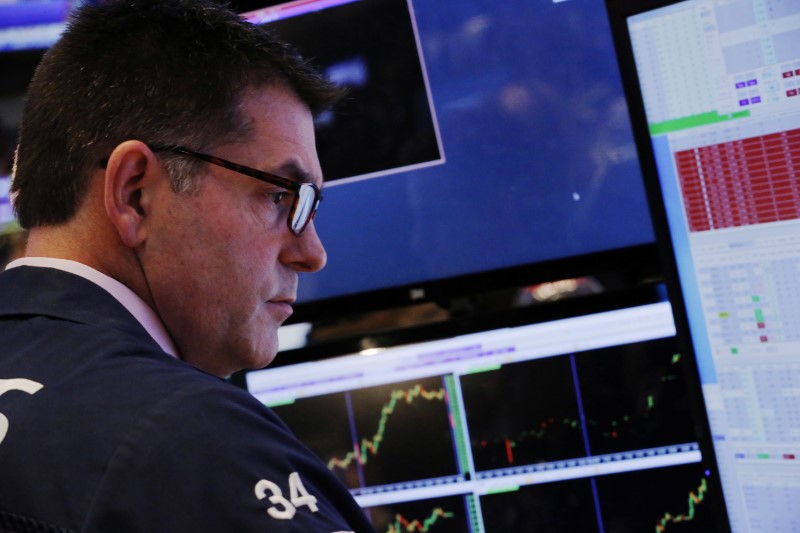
[{"x": 165, "y": 72}]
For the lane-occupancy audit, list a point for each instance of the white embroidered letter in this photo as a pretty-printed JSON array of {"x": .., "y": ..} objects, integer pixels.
[{"x": 20, "y": 384}]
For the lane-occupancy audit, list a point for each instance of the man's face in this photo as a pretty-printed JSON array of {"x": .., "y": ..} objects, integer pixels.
[{"x": 222, "y": 264}]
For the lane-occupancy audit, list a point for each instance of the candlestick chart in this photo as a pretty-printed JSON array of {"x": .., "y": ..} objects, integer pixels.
[
  {"x": 449, "y": 514},
  {"x": 380, "y": 435},
  {"x": 634, "y": 397},
  {"x": 662, "y": 500},
  {"x": 523, "y": 413},
  {"x": 624, "y": 398},
  {"x": 369, "y": 446}
]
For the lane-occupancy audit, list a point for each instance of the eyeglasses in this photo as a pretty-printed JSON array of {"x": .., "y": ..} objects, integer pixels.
[{"x": 307, "y": 196}]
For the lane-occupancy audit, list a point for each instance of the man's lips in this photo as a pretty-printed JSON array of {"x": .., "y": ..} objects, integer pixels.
[{"x": 282, "y": 306}]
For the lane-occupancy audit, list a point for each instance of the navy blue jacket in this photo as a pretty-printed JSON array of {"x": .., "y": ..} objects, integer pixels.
[{"x": 101, "y": 431}]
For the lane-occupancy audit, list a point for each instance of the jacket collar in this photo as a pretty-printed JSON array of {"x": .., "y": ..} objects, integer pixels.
[{"x": 27, "y": 290}]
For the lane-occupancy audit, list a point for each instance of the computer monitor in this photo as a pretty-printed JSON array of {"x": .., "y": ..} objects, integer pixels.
[
  {"x": 34, "y": 24},
  {"x": 6, "y": 214},
  {"x": 583, "y": 423},
  {"x": 482, "y": 145},
  {"x": 714, "y": 92}
]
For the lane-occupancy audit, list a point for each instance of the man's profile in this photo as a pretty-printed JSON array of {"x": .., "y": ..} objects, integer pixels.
[{"x": 168, "y": 178}]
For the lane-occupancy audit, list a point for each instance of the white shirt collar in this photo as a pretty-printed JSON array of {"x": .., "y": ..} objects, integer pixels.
[{"x": 129, "y": 299}]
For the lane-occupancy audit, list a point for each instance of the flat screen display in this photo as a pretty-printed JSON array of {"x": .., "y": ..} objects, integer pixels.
[
  {"x": 715, "y": 90},
  {"x": 34, "y": 24},
  {"x": 484, "y": 141},
  {"x": 584, "y": 423},
  {"x": 477, "y": 136},
  {"x": 6, "y": 215}
]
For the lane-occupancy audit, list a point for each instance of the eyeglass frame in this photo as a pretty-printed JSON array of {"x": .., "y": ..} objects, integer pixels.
[{"x": 293, "y": 186}]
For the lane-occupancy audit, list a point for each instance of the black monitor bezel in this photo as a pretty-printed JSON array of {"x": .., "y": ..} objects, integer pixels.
[
  {"x": 619, "y": 11},
  {"x": 626, "y": 267}
]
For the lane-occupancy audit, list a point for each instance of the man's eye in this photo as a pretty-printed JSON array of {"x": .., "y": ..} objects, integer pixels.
[{"x": 279, "y": 197}]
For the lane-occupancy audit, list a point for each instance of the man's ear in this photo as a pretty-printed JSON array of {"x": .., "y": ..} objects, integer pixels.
[{"x": 131, "y": 175}]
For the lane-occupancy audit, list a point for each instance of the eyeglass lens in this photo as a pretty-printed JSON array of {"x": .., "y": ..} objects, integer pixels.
[{"x": 304, "y": 210}]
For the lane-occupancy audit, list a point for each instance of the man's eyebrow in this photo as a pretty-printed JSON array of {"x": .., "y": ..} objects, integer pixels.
[{"x": 292, "y": 170}]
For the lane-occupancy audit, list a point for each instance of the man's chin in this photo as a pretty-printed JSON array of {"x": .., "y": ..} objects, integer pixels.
[
  {"x": 264, "y": 354},
  {"x": 261, "y": 362}
]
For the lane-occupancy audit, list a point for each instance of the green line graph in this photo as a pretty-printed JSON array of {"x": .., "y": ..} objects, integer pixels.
[
  {"x": 372, "y": 446},
  {"x": 402, "y": 524},
  {"x": 695, "y": 499}
]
